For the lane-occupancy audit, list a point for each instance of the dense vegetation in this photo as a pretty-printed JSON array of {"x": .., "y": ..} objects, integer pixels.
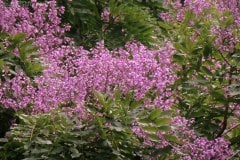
[{"x": 112, "y": 79}]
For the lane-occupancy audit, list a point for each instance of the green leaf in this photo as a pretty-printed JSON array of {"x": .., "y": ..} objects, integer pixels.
[
  {"x": 39, "y": 150},
  {"x": 116, "y": 128},
  {"x": 17, "y": 38},
  {"x": 218, "y": 94},
  {"x": 24, "y": 118},
  {"x": 150, "y": 129},
  {"x": 164, "y": 128},
  {"x": 1, "y": 64},
  {"x": 165, "y": 25},
  {"x": 188, "y": 43},
  {"x": 75, "y": 153},
  {"x": 32, "y": 49},
  {"x": 135, "y": 104},
  {"x": 162, "y": 121},
  {"x": 57, "y": 150},
  {"x": 153, "y": 137},
  {"x": 170, "y": 138},
  {"x": 206, "y": 70},
  {"x": 100, "y": 97},
  {"x": 155, "y": 114},
  {"x": 42, "y": 141},
  {"x": 145, "y": 120},
  {"x": 207, "y": 50},
  {"x": 166, "y": 113},
  {"x": 179, "y": 59},
  {"x": 3, "y": 35},
  {"x": 32, "y": 69},
  {"x": 236, "y": 55},
  {"x": 185, "y": 22},
  {"x": 26, "y": 44},
  {"x": 199, "y": 113}
]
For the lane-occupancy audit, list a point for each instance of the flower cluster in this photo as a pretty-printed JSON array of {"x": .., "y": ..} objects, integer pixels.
[
  {"x": 17, "y": 93},
  {"x": 204, "y": 149},
  {"x": 198, "y": 147},
  {"x": 105, "y": 15},
  {"x": 44, "y": 29},
  {"x": 224, "y": 20},
  {"x": 197, "y": 6},
  {"x": 74, "y": 73}
]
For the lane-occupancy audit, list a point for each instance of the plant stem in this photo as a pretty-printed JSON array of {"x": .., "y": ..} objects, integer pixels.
[
  {"x": 224, "y": 123},
  {"x": 235, "y": 126},
  {"x": 235, "y": 154}
]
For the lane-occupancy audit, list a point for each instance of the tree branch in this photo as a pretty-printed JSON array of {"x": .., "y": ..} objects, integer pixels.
[
  {"x": 225, "y": 119},
  {"x": 235, "y": 126},
  {"x": 235, "y": 154}
]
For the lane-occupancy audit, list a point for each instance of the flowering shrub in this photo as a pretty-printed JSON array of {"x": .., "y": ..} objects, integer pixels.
[
  {"x": 16, "y": 56},
  {"x": 74, "y": 74},
  {"x": 206, "y": 40},
  {"x": 185, "y": 89},
  {"x": 205, "y": 149},
  {"x": 116, "y": 22},
  {"x": 108, "y": 135}
]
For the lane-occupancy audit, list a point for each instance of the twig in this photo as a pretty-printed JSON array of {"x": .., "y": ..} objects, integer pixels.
[
  {"x": 225, "y": 60},
  {"x": 235, "y": 154},
  {"x": 225, "y": 119},
  {"x": 224, "y": 123},
  {"x": 177, "y": 150},
  {"x": 31, "y": 136},
  {"x": 235, "y": 126}
]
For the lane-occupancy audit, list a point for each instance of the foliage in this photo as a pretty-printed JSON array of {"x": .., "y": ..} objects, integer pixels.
[
  {"x": 7, "y": 116},
  {"x": 109, "y": 134},
  {"x": 208, "y": 65},
  {"x": 18, "y": 53},
  {"x": 115, "y": 22},
  {"x": 15, "y": 54}
]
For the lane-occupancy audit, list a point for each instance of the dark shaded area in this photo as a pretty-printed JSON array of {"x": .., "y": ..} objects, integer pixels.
[
  {"x": 6, "y": 119},
  {"x": 182, "y": 2}
]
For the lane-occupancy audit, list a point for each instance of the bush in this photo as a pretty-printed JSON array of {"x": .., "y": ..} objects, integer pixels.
[
  {"x": 109, "y": 133},
  {"x": 106, "y": 95}
]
